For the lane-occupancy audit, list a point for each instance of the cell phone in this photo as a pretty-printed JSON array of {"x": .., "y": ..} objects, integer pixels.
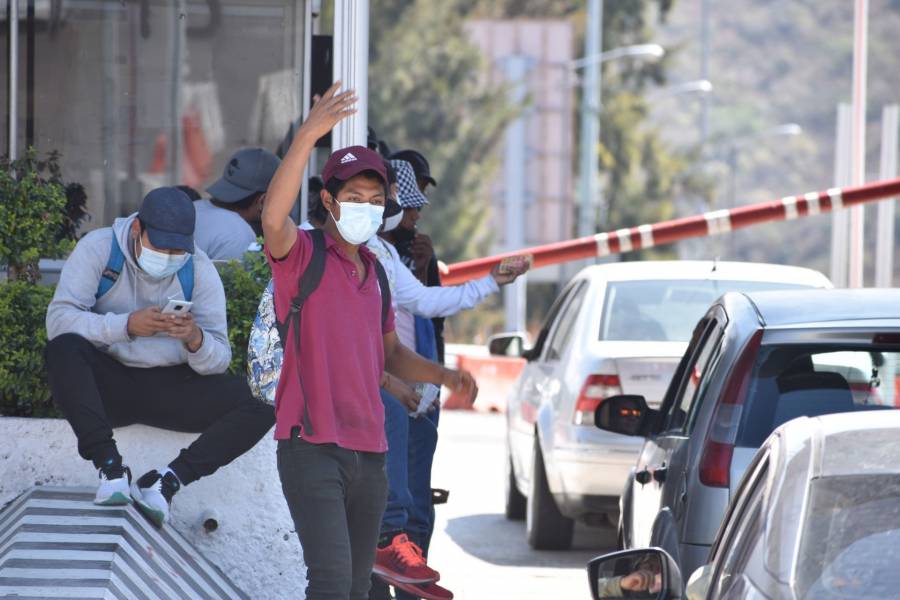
[{"x": 177, "y": 307}]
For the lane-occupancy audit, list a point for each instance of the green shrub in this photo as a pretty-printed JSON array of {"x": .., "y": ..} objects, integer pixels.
[
  {"x": 23, "y": 377},
  {"x": 33, "y": 214},
  {"x": 23, "y": 335},
  {"x": 244, "y": 282}
]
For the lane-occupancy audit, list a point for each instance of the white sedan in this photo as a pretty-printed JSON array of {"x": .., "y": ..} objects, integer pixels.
[{"x": 616, "y": 328}]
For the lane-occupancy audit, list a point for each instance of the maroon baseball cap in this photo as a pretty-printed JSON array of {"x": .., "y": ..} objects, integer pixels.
[{"x": 347, "y": 162}]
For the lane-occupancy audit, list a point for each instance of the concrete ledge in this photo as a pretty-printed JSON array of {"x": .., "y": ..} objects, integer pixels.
[{"x": 255, "y": 545}]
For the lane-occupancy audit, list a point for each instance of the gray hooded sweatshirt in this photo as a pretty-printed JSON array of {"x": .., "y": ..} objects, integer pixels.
[{"x": 104, "y": 322}]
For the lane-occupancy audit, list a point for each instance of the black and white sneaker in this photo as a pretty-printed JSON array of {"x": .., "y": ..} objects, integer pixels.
[
  {"x": 115, "y": 479},
  {"x": 153, "y": 495}
]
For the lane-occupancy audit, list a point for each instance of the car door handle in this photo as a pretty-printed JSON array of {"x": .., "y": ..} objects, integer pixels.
[{"x": 659, "y": 474}]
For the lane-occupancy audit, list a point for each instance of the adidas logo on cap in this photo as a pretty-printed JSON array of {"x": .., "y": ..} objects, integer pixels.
[{"x": 348, "y": 158}]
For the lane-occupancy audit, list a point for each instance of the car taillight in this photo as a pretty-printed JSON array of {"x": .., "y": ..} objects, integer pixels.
[
  {"x": 718, "y": 449},
  {"x": 595, "y": 389}
]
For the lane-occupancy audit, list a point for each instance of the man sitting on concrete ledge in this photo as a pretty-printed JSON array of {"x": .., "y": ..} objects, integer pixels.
[{"x": 116, "y": 357}]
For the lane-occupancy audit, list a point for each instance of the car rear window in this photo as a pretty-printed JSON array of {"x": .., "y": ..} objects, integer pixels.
[
  {"x": 667, "y": 310},
  {"x": 850, "y": 545},
  {"x": 792, "y": 381}
]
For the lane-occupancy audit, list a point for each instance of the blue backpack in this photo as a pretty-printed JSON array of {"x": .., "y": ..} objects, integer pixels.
[{"x": 116, "y": 262}]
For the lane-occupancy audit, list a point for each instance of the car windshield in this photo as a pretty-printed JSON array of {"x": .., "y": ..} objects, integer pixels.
[
  {"x": 666, "y": 310},
  {"x": 791, "y": 381},
  {"x": 850, "y": 545}
]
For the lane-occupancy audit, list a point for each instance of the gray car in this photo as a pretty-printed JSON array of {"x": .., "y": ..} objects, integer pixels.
[
  {"x": 755, "y": 361},
  {"x": 817, "y": 515}
]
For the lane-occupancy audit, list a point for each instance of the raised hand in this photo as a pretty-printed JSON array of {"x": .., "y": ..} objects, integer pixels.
[{"x": 329, "y": 109}]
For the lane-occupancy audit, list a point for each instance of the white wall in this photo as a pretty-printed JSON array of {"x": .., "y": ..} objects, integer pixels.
[{"x": 255, "y": 545}]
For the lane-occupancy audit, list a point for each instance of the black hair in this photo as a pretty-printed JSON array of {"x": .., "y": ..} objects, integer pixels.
[
  {"x": 315, "y": 211},
  {"x": 193, "y": 194},
  {"x": 240, "y": 205}
]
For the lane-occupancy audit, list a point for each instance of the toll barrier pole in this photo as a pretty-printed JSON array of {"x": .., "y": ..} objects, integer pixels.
[{"x": 666, "y": 232}]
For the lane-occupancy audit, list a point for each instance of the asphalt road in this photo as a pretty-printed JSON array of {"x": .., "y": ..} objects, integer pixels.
[{"x": 481, "y": 555}]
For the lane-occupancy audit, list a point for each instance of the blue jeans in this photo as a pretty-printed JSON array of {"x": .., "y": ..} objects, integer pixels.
[{"x": 411, "y": 446}]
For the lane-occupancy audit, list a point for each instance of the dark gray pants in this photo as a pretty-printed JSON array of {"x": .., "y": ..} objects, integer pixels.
[{"x": 336, "y": 498}]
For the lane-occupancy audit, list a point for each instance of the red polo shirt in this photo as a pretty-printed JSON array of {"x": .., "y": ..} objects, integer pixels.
[{"x": 341, "y": 350}]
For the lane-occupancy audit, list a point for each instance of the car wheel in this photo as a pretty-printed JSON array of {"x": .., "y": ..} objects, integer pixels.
[
  {"x": 547, "y": 528},
  {"x": 515, "y": 501}
]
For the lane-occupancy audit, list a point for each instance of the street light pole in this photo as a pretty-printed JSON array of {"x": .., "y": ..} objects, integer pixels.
[
  {"x": 590, "y": 120},
  {"x": 860, "y": 70}
]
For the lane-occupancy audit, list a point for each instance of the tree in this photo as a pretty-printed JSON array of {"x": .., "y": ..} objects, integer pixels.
[{"x": 426, "y": 92}]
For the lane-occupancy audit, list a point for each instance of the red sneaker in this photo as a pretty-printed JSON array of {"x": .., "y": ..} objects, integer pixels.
[
  {"x": 426, "y": 591},
  {"x": 403, "y": 562}
]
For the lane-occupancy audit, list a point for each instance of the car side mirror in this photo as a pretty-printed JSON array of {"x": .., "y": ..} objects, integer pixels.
[
  {"x": 642, "y": 573},
  {"x": 628, "y": 415},
  {"x": 507, "y": 344}
]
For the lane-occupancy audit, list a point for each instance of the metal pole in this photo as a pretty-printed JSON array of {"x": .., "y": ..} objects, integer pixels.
[
  {"x": 716, "y": 222},
  {"x": 704, "y": 68},
  {"x": 840, "y": 219},
  {"x": 860, "y": 67},
  {"x": 884, "y": 247},
  {"x": 305, "y": 89},
  {"x": 109, "y": 103},
  {"x": 29, "y": 74},
  {"x": 516, "y": 68},
  {"x": 590, "y": 121},
  {"x": 12, "y": 13},
  {"x": 178, "y": 35},
  {"x": 351, "y": 67}
]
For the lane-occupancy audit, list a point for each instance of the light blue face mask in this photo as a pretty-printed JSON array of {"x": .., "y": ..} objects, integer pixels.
[
  {"x": 160, "y": 265},
  {"x": 359, "y": 221}
]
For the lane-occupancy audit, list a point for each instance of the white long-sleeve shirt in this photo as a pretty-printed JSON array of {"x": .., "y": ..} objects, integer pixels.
[{"x": 410, "y": 294}]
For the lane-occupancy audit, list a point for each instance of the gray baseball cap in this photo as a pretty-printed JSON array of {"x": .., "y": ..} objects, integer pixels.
[{"x": 248, "y": 172}]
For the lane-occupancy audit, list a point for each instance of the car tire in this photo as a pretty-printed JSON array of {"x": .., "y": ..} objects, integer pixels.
[
  {"x": 515, "y": 501},
  {"x": 547, "y": 528}
]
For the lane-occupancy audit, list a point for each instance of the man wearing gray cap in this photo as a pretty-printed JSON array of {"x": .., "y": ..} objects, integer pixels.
[
  {"x": 121, "y": 351},
  {"x": 225, "y": 222}
]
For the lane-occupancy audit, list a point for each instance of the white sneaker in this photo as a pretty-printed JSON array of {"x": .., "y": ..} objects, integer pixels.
[
  {"x": 153, "y": 495},
  {"x": 114, "y": 483}
]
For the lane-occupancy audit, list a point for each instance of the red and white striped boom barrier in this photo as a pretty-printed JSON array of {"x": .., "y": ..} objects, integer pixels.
[{"x": 666, "y": 232}]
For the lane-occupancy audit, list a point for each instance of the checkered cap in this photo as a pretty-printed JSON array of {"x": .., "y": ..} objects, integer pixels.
[{"x": 409, "y": 194}]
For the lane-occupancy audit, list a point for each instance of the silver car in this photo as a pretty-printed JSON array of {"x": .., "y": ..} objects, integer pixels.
[
  {"x": 615, "y": 328},
  {"x": 817, "y": 515},
  {"x": 756, "y": 361}
]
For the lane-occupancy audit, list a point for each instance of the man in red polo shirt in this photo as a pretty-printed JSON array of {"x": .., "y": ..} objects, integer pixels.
[{"x": 329, "y": 414}]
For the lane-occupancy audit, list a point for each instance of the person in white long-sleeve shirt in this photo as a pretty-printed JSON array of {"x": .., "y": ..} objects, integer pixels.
[{"x": 408, "y": 518}]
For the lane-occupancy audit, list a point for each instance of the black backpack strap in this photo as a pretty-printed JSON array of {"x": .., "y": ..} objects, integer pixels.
[
  {"x": 309, "y": 282},
  {"x": 385, "y": 291}
]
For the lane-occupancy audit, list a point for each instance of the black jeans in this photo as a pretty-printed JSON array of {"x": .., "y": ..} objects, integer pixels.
[
  {"x": 96, "y": 393},
  {"x": 336, "y": 498}
]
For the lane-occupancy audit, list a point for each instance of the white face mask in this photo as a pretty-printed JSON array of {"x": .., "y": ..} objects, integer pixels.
[
  {"x": 160, "y": 265},
  {"x": 359, "y": 221},
  {"x": 391, "y": 223}
]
